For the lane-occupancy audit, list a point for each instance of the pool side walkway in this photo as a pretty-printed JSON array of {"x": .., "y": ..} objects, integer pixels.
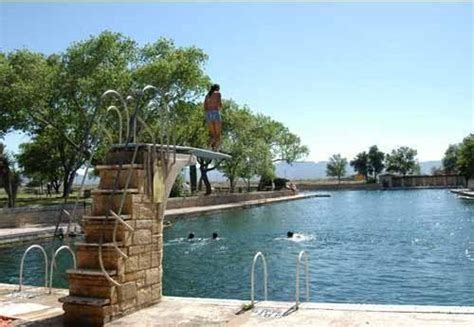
[
  {"x": 465, "y": 192},
  {"x": 27, "y": 233},
  {"x": 190, "y": 211},
  {"x": 35, "y": 308}
]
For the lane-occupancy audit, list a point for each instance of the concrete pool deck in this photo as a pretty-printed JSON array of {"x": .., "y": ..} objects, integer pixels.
[
  {"x": 35, "y": 308},
  {"x": 191, "y": 211}
]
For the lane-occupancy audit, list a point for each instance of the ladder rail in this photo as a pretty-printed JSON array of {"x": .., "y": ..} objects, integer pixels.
[
  {"x": 265, "y": 277},
  {"x": 34, "y": 246},
  {"x": 301, "y": 255},
  {"x": 53, "y": 261}
]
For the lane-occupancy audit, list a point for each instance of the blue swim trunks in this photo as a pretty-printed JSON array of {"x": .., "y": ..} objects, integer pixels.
[{"x": 213, "y": 115}]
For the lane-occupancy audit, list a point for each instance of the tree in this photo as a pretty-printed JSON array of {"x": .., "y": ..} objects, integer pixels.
[
  {"x": 402, "y": 161},
  {"x": 62, "y": 90},
  {"x": 41, "y": 161},
  {"x": 336, "y": 167},
  {"x": 361, "y": 164},
  {"x": 466, "y": 157},
  {"x": 450, "y": 159},
  {"x": 437, "y": 170},
  {"x": 238, "y": 142},
  {"x": 10, "y": 178},
  {"x": 282, "y": 144},
  {"x": 375, "y": 162}
]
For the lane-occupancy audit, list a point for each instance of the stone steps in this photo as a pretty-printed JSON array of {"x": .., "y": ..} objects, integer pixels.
[
  {"x": 94, "y": 230},
  {"x": 110, "y": 217},
  {"x": 93, "y": 299}
]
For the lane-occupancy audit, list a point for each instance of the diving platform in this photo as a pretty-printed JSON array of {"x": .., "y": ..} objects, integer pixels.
[{"x": 198, "y": 152}]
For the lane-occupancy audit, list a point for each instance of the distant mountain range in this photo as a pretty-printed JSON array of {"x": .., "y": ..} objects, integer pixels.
[{"x": 297, "y": 170}]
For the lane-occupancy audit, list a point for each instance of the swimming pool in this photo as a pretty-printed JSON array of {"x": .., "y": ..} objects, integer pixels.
[{"x": 387, "y": 247}]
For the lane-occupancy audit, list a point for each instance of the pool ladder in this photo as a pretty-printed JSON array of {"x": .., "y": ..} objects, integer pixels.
[
  {"x": 301, "y": 256},
  {"x": 45, "y": 256}
]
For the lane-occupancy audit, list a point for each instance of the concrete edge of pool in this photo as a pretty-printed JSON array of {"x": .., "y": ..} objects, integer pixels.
[{"x": 45, "y": 310}]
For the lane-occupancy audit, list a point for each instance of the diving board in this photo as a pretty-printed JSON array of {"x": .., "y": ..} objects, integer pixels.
[{"x": 198, "y": 152}]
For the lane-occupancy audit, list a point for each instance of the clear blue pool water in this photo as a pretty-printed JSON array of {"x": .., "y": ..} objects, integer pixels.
[
  {"x": 404, "y": 247},
  {"x": 387, "y": 247}
]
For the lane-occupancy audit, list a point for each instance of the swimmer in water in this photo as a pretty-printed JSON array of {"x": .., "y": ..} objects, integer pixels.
[
  {"x": 190, "y": 236},
  {"x": 289, "y": 234},
  {"x": 214, "y": 236}
]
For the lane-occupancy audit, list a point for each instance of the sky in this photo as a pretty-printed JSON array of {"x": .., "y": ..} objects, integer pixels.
[{"x": 343, "y": 76}]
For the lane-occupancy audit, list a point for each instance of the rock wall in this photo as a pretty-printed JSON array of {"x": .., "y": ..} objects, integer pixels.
[{"x": 35, "y": 215}]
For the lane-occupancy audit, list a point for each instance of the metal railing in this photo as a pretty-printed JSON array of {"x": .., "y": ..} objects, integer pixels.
[
  {"x": 298, "y": 264},
  {"x": 265, "y": 277},
  {"x": 131, "y": 140},
  {"x": 35, "y": 246},
  {"x": 53, "y": 261}
]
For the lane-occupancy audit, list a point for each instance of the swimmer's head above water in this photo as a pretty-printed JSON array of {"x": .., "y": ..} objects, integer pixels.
[
  {"x": 214, "y": 236},
  {"x": 289, "y": 234},
  {"x": 190, "y": 236}
]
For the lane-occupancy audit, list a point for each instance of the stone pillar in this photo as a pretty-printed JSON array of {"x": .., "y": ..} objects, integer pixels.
[{"x": 135, "y": 277}]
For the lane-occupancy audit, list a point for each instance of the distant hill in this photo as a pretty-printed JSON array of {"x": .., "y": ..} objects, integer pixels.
[{"x": 426, "y": 166}]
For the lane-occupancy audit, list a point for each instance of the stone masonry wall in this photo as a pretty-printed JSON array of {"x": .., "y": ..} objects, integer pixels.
[{"x": 39, "y": 215}]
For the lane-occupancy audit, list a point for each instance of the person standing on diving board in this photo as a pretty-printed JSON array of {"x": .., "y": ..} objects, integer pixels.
[{"x": 212, "y": 107}]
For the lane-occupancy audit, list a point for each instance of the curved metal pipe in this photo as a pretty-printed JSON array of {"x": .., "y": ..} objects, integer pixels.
[
  {"x": 106, "y": 274},
  {"x": 298, "y": 263},
  {"x": 114, "y": 108},
  {"x": 53, "y": 261},
  {"x": 35, "y": 246},
  {"x": 252, "y": 277},
  {"x": 124, "y": 104}
]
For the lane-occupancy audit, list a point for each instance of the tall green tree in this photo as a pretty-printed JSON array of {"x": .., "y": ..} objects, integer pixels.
[
  {"x": 283, "y": 146},
  {"x": 10, "y": 178},
  {"x": 466, "y": 157},
  {"x": 41, "y": 161},
  {"x": 361, "y": 164},
  {"x": 450, "y": 159},
  {"x": 375, "y": 161},
  {"x": 403, "y": 161},
  {"x": 238, "y": 141},
  {"x": 62, "y": 90},
  {"x": 336, "y": 167}
]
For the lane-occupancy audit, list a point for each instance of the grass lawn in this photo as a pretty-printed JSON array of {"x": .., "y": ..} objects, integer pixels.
[{"x": 27, "y": 198}]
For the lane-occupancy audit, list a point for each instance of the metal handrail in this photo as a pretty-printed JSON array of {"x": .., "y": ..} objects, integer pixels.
[
  {"x": 298, "y": 263},
  {"x": 252, "y": 277},
  {"x": 53, "y": 261},
  {"x": 35, "y": 246}
]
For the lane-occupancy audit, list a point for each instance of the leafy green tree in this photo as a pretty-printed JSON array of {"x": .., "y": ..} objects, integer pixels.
[
  {"x": 375, "y": 161},
  {"x": 62, "y": 90},
  {"x": 450, "y": 159},
  {"x": 336, "y": 167},
  {"x": 283, "y": 146},
  {"x": 238, "y": 141},
  {"x": 10, "y": 178},
  {"x": 437, "y": 170},
  {"x": 361, "y": 164},
  {"x": 466, "y": 157},
  {"x": 40, "y": 161},
  {"x": 403, "y": 161}
]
